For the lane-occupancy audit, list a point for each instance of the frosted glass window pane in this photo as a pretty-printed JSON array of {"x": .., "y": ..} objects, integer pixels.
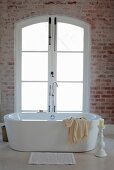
[
  {"x": 69, "y": 67},
  {"x": 35, "y": 37},
  {"x": 34, "y": 96},
  {"x": 34, "y": 66},
  {"x": 69, "y": 96},
  {"x": 69, "y": 37}
]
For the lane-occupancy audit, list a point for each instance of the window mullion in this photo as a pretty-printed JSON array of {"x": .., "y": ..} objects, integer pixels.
[
  {"x": 52, "y": 65},
  {"x": 49, "y": 62},
  {"x": 51, "y": 72},
  {"x": 53, "y": 78},
  {"x": 55, "y": 60}
]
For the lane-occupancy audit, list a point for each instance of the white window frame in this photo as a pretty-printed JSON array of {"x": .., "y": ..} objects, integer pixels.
[{"x": 17, "y": 54}]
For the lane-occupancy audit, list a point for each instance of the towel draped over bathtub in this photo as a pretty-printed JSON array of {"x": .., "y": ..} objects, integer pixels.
[{"x": 77, "y": 129}]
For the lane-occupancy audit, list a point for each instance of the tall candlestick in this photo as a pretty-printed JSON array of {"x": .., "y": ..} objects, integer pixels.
[{"x": 100, "y": 148}]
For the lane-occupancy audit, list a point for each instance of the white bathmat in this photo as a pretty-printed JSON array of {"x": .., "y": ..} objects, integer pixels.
[{"x": 51, "y": 158}]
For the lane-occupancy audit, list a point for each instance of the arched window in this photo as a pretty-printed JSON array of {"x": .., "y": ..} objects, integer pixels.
[{"x": 52, "y": 64}]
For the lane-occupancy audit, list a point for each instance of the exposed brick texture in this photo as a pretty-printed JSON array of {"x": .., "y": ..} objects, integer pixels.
[{"x": 98, "y": 13}]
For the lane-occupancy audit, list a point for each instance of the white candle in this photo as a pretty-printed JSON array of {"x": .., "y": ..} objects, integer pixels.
[{"x": 101, "y": 123}]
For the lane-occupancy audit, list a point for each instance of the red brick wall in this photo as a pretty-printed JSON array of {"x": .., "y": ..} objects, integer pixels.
[{"x": 98, "y": 13}]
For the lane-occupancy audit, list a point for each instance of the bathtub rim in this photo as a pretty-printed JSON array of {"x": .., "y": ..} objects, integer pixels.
[{"x": 7, "y": 116}]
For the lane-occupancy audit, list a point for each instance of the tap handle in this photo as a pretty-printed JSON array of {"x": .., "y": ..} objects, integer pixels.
[{"x": 52, "y": 73}]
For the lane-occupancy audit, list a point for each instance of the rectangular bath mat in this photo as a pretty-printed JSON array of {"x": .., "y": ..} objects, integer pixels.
[{"x": 51, "y": 158}]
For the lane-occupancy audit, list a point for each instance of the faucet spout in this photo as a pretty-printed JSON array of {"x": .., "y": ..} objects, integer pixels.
[
  {"x": 54, "y": 85},
  {"x": 53, "y": 96}
]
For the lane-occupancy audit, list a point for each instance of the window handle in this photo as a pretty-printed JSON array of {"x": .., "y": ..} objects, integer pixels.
[
  {"x": 52, "y": 74},
  {"x": 49, "y": 108},
  {"x": 54, "y": 108},
  {"x": 49, "y": 30}
]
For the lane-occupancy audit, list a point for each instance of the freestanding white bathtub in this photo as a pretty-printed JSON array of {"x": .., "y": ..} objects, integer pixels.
[{"x": 45, "y": 132}]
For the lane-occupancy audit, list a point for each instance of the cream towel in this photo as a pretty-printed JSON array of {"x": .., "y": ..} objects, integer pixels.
[{"x": 77, "y": 129}]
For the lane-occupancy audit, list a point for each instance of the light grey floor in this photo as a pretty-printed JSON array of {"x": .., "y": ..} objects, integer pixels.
[{"x": 13, "y": 160}]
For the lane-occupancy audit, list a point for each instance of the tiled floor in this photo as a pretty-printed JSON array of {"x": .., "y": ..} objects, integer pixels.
[{"x": 13, "y": 160}]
